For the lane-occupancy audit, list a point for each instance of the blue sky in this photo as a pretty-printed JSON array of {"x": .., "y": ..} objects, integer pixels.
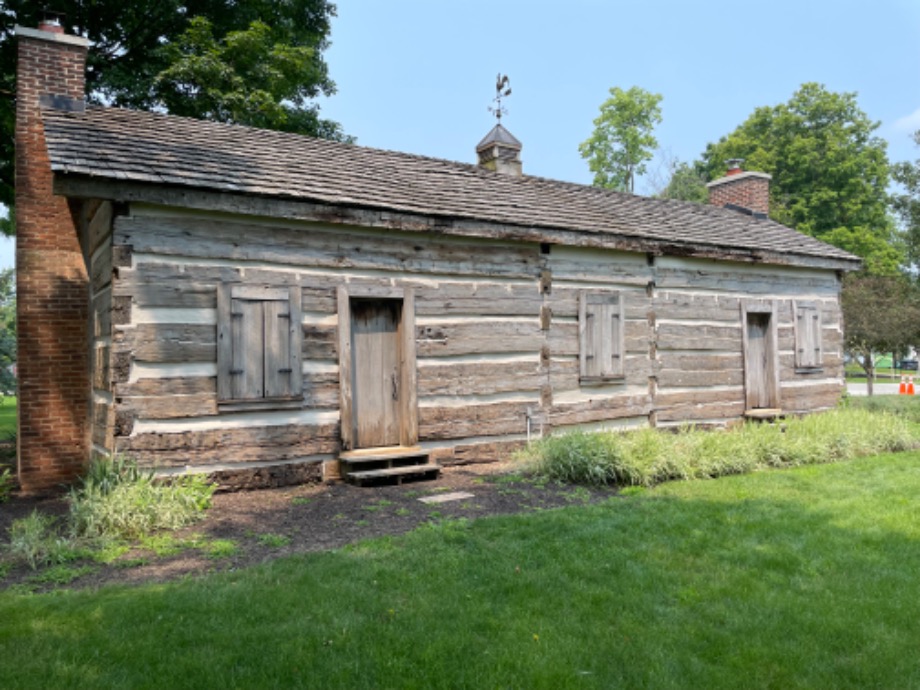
[{"x": 418, "y": 75}]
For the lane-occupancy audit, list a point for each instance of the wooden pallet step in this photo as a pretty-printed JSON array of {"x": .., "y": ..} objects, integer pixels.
[
  {"x": 383, "y": 455},
  {"x": 394, "y": 471}
]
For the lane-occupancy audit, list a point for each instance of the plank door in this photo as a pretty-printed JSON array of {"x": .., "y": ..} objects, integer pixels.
[
  {"x": 759, "y": 362},
  {"x": 376, "y": 376}
]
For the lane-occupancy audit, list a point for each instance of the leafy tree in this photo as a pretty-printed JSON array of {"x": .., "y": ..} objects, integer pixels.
[
  {"x": 622, "y": 142},
  {"x": 133, "y": 44},
  {"x": 907, "y": 203},
  {"x": 882, "y": 314},
  {"x": 830, "y": 171},
  {"x": 7, "y": 330},
  {"x": 686, "y": 184},
  {"x": 245, "y": 78}
]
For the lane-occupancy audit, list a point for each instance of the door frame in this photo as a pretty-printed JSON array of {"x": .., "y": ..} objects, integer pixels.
[
  {"x": 771, "y": 375},
  {"x": 408, "y": 400}
]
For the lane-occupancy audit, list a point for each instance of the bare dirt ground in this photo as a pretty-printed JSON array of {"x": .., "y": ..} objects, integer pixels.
[{"x": 251, "y": 527}]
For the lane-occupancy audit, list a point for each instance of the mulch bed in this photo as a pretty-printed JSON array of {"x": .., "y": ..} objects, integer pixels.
[{"x": 270, "y": 523}]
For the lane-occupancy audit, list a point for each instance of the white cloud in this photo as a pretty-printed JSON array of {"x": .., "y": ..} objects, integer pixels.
[{"x": 908, "y": 123}]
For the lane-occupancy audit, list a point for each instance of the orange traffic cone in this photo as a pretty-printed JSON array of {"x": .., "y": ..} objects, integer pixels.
[
  {"x": 910, "y": 385},
  {"x": 902, "y": 390}
]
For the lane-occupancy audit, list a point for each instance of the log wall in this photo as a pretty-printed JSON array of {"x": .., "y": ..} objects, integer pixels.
[
  {"x": 98, "y": 250},
  {"x": 496, "y": 335}
]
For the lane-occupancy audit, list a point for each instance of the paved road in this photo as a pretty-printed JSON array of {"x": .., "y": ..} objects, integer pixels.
[{"x": 859, "y": 388}]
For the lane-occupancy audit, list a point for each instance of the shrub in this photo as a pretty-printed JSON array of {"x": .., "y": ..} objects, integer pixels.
[
  {"x": 7, "y": 481},
  {"x": 116, "y": 499},
  {"x": 645, "y": 457},
  {"x": 36, "y": 541}
]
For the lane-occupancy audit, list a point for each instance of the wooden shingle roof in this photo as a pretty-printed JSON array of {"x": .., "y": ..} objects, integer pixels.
[{"x": 147, "y": 148}]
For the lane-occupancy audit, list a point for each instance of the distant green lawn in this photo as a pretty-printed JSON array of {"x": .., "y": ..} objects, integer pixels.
[
  {"x": 7, "y": 418},
  {"x": 806, "y": 578}
]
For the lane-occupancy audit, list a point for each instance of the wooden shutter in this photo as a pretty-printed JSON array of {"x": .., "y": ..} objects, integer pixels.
[
  {"x": 600, "y": 332},
  {"x": 259, "y": 337},
  {"x": 808, "y": 354}
]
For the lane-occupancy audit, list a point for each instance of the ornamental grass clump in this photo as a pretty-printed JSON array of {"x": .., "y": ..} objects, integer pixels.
[
  {"x": 118, "y": 500},
  {"x": 645, "y": 457}
]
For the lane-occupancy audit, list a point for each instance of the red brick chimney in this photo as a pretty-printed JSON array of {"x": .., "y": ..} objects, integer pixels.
[
  {"x": 51, "y": 280},
  {"x": 748, "y": 191}
]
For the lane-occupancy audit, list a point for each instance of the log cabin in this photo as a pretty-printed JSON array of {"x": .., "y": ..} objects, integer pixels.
[{"x": 273, "y": 308}]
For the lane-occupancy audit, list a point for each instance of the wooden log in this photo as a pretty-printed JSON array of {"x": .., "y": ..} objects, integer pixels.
[
  {"x": 747, "y": 282},
  {"x": 320, "y": 342},
  {"x": 565, "y": 375},
  {"x": 320, "y": 247},
  {"x": 683, "y": 306},
  {"x": 464, "y": 338},
  {"x": 599, "y": 410},
  {"x": 665, "y": 399},
  {"x": 100, "y": 227},
  {"x": 101, "y": 375},
  {"x": 478, "y": 378},
  {"x": 479, "y": 299},
  {"x": 102, "y": 315},
  {"x": 101, "y": 270},
  {"x": 805, "y": 398},
  {"x": 564, "y": 302},
  {"x": 167, "y": 386},
  {"x": 168, "y": 342},
  {"x": 701, "y": 361},
  {"x": 170, "y": 407},
  {"x": 668, "y": 377},
  {"x": 692, "y": 413},
  {"x": 253, "y": 444},
  {"x": 476, "y": 453},
  {"x": 103, "y": 424},
  {"x": 495, "y": 419},
  {"x": 672, "y": 336},
  {"x": 197, "y": 397}
]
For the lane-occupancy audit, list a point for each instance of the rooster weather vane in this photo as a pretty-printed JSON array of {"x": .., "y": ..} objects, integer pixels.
[{"x": 502, "y": 89}]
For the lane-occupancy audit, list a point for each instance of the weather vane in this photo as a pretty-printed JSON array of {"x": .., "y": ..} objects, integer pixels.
[{"x": 502, "y": 89}]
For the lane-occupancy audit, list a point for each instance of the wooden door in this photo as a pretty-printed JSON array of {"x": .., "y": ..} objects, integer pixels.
[
  {"x": 759, "y": 365},
  {"x": 376, "y": 382}
]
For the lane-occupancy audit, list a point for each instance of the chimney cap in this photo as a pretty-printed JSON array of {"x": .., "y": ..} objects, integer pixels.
[
  {"x": 51, "y": 35},
  {"x": 734, "y": 166}
]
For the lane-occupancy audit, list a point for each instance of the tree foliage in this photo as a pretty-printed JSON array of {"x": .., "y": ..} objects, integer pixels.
[
  {"x": 7, "y": 330},
  {"x": 830, "y": 171},
  {"x": 907, "y": 203},
  {"x": 687, "y": 183},
  {"x": 133, "y": 43},
  {"x": 882, "y": 314},
  {"x": 244, "y": 78},
  {"x": 622, "y": 142}
]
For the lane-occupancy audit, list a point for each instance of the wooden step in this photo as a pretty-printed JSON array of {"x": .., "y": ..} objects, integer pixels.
[
  {"x": 393, "y": 472},
  {"x": 382, "y": 454}
]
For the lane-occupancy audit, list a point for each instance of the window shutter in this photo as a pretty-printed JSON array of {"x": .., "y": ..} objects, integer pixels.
[
  {"x": 259, "y": 340},
  {"x": 601, "y": 335},
  {"x": 808, "y": 353},
  {"x": 247, "y": 379}
]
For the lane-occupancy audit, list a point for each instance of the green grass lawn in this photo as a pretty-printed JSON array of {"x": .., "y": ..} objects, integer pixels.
[
  {"x": 806, "y": 578},
  {"x": 7, "y": 417}
]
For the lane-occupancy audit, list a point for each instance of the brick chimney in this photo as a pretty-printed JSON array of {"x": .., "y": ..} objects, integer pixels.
[
  {"x": 500, "y": 151},
  {"x": 51, "y": 280},
  {"x": 743, "y": 191}
]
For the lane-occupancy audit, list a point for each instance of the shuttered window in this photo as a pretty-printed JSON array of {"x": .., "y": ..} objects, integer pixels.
[
  {"x": 807, "y": 335},
  {"x": 259, "y": 338},
  {"x": 600, "y": 335}
]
